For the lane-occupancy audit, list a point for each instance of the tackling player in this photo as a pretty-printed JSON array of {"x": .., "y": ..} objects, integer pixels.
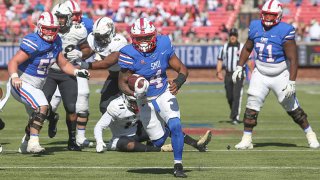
[
  {"x": 28, "y": 71},
  {"x": 150, "y": 55},
  {"x": 127, "y": 132},
  {"x": 274, "y": 42}
]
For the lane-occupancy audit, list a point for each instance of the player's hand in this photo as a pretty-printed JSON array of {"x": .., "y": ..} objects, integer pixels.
[
  {"x": 100, "y": 147},
  {"x": 237, "y": 74},
  {"x": 219, "y": 75},
  {"x": 290, "y": 89},
  {"x": 173, "y": 88},
  {"x": 74, "y": 55},
  {"x": 16, "y": 82},
  {"x": 82, "y": 73}
]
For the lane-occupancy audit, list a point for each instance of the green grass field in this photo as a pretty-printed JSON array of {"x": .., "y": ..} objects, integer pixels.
[{"x": 280, "y": 147}]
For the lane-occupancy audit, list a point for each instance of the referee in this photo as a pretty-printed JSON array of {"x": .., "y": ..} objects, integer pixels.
[{"x": 229, "y": 56}]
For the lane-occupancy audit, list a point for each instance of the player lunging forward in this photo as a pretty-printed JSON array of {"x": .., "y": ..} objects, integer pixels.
[
  {"x": 28, "y": 70},
  {"x": 274, "y": 42},
  {"x": 150, "y": 55}
]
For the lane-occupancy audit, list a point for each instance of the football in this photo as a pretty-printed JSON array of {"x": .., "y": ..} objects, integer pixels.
[{"x": 135, "y": 80}]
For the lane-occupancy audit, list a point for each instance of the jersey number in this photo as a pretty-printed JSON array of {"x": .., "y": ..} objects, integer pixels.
[
  {"x": 269, "y": 49},
  {"x": 157, "y": 80},
  {"x": 43, "y": 66}
]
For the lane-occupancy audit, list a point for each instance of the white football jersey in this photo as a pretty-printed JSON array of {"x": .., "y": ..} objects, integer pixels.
[
  {"x": 124, "y": 121},
  {"x": 117, "y": 42},
  {"x": 71, "y": 39}
]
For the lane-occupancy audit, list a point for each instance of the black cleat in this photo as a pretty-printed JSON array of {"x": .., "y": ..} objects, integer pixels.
[
  {"x": 72, "y": 146},
  {"x": 52, "y": 128},
  {"x": 204, "y": 141},
  {"x": 178, "y": 171},
  {"x": 235, "y": 122}
]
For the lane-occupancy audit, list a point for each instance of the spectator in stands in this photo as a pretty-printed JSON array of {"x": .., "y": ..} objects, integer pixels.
[
  {"x": 124, "y": 4},
  {"x": 229, "y": 6},
  {"x": 109, "y": 12},
  {"x": 216, "y": 38},
  {"x": 314, "y": 30},
  {"x": 143, "y": 3},
  {"x": 212, "y": 5},
  {"x": 2, "y": 36},
  {"x": 301, "y": 31},
  {"x": 11, "y": 13},
  {"x": 39, "y": 7},
  {"x": 100, "y": 11},
  {"x": 223, "y": 28},
  {"x": 89, "y": 3},
  {"x": 315, "y": 2}
]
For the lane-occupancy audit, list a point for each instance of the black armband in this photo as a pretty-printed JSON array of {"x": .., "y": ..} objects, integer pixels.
[
  {"x": 90, "y": 65},
  {"x": 180, "y": 80}
]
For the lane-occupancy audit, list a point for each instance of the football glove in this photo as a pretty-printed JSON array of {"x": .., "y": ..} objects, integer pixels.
[
  {"x": 100, "y": 147},
  {"x": 74, "y": 55},
  {"x": 83, "y": 65},
  {"x": 82, "y": 73},
  {"x": 290, "y": 89},
  {"x": 237, "y": 74},
  {"x": 141, "y": 92}
]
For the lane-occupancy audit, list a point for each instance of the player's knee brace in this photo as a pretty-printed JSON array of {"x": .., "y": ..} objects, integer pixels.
[
  {"x": 250, "y": 118},
  {"x": 298, "y": 115},
  {"x": 36, "y": 120},
  {"x": 159, "y": 142}
]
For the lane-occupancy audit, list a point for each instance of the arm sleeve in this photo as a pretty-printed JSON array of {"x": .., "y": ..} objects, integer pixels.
[
  {"x": 290, "y": 34},
  {"x": 102, "y": 124}
]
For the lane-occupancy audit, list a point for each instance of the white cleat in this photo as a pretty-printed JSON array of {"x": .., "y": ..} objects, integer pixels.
[
  {"x": 83, "y": 142},
  {"x": 23, "y": 146},
  {"x": 1, "y": 149},
  {"x": 246, "y": 143},
  {"x": 312, "y": 140},
  {"x": 34, "y": 147},
  {"x": 101, "y": 147}
]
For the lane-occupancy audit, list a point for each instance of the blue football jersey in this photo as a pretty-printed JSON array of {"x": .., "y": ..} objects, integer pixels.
[
  {"x": 88, "y": 24},
  {"x": 152, "y": 65},
  {"x": 42, "y": 54},
  {"x": 269, "y": 44}
]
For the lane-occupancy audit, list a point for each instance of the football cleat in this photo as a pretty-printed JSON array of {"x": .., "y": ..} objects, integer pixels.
[
  {"x": 52, "y": 127},
  {"x": 83, "y": 142},
  {"x": 178, "y": 171},
  {"x": 34, "y": 147},
  {"x": 23, "y": 146},
  {"x": 72, "y": 146},
  {"x": 167, "y": 148},
  {"x": 204, "y": 141},
  {"x": 246, "y": 142},
  {"x": 1, "y": 148},
  {"x": 312, "y": 140},
  {"x": 100, "y": 147},
  {"x": 235, "y": 122}
]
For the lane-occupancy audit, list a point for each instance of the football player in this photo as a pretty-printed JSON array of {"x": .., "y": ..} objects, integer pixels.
[
  {"x": 105, "y": 43},
  {"x": 28, "y": 70},
  {"x": 150, "y": 55},
  {"x": 276, "y": 70},
  {"x": 127, "y": 132},
  {"x": 73, "y": 37}
]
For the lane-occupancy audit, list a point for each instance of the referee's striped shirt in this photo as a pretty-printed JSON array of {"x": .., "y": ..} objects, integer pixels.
[{"x": 230, "y": 54}]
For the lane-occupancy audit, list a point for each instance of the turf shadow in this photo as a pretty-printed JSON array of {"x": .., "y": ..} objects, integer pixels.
[
  {"x": 274, "y": 144},
  {"x": 154, "y": 171}
]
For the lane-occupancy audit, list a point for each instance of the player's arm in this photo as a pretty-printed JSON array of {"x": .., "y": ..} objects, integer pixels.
[
  {"x": 105, "y": 63},
  {"x": 124, "y": 74},
  {"x": 245, "y": 52},
  {"x": 290, "y": 49},
  {"x": 68, "y": 68},
  {"x": 86, "y": 50},
  {"x": 13, "y": 64},
  {"x": 182, "y": 71}
]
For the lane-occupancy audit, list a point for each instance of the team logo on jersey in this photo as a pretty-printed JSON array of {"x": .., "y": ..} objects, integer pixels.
[
  {"x": 155, "y": 65},
  {"x": 264, "y": 40},
  {"x": 142, "y": 61}
]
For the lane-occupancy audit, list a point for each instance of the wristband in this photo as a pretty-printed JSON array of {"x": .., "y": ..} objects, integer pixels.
[
  {"x": 180, "y": 80},
  {"x": 14, "y": 75}
]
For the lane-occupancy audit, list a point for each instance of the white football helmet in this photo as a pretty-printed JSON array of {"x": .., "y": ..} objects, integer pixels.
[
  {"x": 76, "y": 11},
  {"x": 54, "y": 9},
  {"x": 143, "y": 35},
  {"x": 64, "y": 15},
  {"x": 103, "y": 31},
  {"x": 131, "y": 103},
  {"x": 273, "y": 7},
  {"x": 48, "y": 26}
]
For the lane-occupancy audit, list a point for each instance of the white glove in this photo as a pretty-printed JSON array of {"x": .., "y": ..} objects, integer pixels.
[
  {"x": 290, "y": 89},
  {"x": 100, "y": 147},
  {"x": 74, "y": 55},
  {"x": 237, "y": 74},
  {"x": 141, "y": 92},
  {"x": 81, "y": 73}
]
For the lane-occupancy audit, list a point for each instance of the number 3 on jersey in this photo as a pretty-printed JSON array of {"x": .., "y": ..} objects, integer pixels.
[
  {"x": 261, "y": 49},
  {"x": 157, "y": 80}
]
